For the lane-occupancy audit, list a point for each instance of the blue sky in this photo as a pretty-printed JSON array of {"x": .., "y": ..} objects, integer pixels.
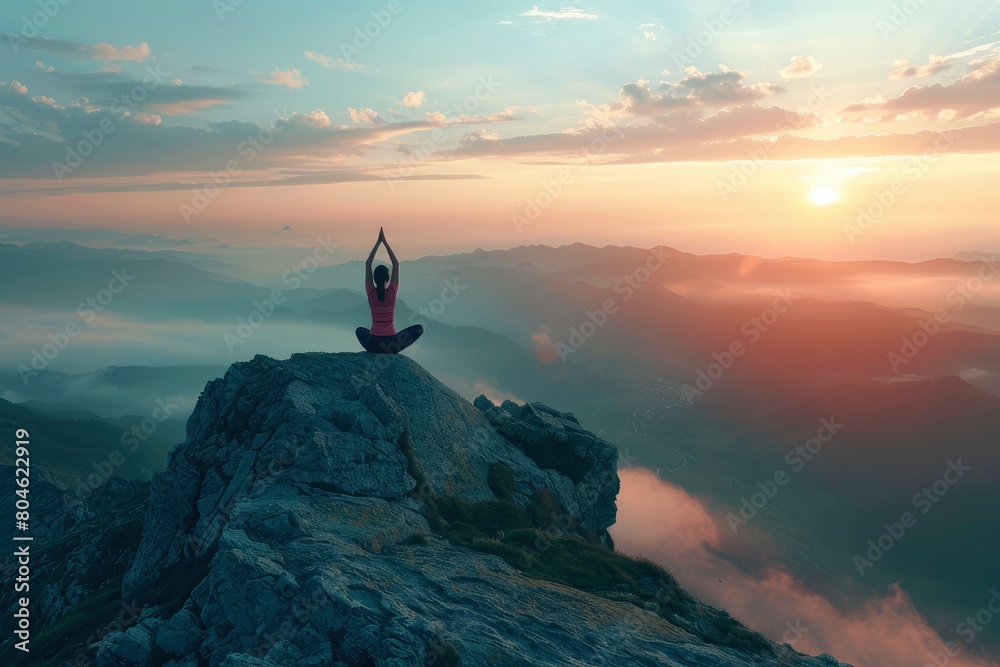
[
  {"x": 888, "y": 73},
  {"x": 438, "y": 47}
]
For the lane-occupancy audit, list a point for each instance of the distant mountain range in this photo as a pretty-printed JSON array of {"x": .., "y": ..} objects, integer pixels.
[{"x": 858, "y": 341}]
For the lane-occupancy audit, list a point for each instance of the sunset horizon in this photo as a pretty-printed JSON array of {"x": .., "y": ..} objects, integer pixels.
[{"x": 568, "y": 333}]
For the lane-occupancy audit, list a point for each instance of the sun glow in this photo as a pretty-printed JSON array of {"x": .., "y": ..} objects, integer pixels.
[{"x": 824, "y": 196}]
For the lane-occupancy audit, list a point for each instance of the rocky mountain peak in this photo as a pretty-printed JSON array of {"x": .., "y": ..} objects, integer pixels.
[{"x": 349, "y": 509}]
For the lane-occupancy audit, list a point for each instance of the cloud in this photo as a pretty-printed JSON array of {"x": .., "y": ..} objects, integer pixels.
[
  {"x": 38, "y": 136},
  {"x": 563, "y": 14},
  {"x": 48, "y": 101},
  {"x": 333, "y": 63},
  {"x": 677, "y": 136},
  {"x": 364, "y": 116},
  {"x": 144, "y": 118},
  {"x": 935, "y": 65},
  {"x": 292, "y": 78},
  {"x": 975, "y": 92},
  {"x": 17, "y": 87},
  {"x": 103, "y": 87},
  {"x": 304, "y": 151},
  {"x": 324, "y": 178},
  {"x": 470, "y": 139},
  {"x": 440, "y": 119},
  {"x": 315, "y": 118},
  {"x": 132, "y": 53},
  {"x": 722, "y": 89},
  {"x": 649, "y": 30},
  {"x": 730, "y": 135},
  {"x": 414, "y": 100},
  {"x": 663, "y": 522},
  {"x": 800, "y": 67},
  {"x": 78, "y": 50}
]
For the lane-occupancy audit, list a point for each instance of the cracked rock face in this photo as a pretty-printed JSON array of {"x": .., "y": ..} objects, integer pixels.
[{"x": 292, "y": 527}]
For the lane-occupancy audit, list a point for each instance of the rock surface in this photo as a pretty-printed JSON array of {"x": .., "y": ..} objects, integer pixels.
[{"x": 309, "y": 519}]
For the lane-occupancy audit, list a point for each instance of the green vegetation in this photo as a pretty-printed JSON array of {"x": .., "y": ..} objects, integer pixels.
[
  {"x": 68, "y": 447},
  {"x": 62, "y": 641},
  {"x": 526, "y": 539}
]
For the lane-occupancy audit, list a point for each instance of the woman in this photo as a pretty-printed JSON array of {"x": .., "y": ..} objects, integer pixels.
[{"x": 382, "y": 337}]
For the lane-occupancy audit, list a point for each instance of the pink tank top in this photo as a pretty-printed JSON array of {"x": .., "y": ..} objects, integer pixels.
[{"x": 383, "y": 312}]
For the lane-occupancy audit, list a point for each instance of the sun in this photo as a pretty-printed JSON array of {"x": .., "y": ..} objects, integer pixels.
[{"x": 824, "y": 196}]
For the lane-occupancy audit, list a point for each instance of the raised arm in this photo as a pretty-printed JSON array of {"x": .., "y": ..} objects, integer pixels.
[
  {"x": 369, "y": 280},
  {"x": 394, "y": 278}
]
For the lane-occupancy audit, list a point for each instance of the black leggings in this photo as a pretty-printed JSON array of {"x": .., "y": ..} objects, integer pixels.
[{"x": 389, "y": 344}]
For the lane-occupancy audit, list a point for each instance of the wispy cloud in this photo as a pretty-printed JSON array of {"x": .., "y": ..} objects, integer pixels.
[
  {"x": 65, "y": 48},
  {"x": 333, "y": 63},
  {"x": 103, "y": 87},
  {"x": 935, "y": 65},
  {"x": 562, "y": 14},
  {"x": 800, "y": 67},
  {"x": 291, "y": 78},
  {"x": 976, "y": 92}
]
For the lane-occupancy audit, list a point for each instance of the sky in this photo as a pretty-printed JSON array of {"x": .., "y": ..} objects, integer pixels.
[{"x": 842, "y": 130}]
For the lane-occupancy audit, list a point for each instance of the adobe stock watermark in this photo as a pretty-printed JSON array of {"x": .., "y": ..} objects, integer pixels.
[
  {"x": 123, "y": 105},
  {"x": 712, "y": 29},
  {"x": 885, "y": 199},
  {"x": 796, "y": 459},
  {"x": 32, "y": 25},
  {"x": 303, "y": 609},
  {"x": 263, "y": 310},
  {"x": 626, "y": 286},
  {"x": 928, "y": 328},
  {"x": 365, "y": 34},
  {"x": 794, "y": 631},
  {"x": 900, "y": 15},
  {"x": 131, "y": 440},
  {"x": 553, "y": 189},
  {"x": 86, "y": 313},
  {"x": 435, "y": 308},
  {"x": 924, "y": 501},
  {"x": 248, "y": 150},
  {"x": 752, "y": 330},
  {"x": 422, "y": 151},
  {"x": 745, "y": 170},
  {"x": 126, "y": 618},
  {"x": 967, "y": 631}
]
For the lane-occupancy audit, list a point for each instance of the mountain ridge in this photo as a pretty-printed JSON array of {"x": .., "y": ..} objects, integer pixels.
[{"x": 349, "y": 509}]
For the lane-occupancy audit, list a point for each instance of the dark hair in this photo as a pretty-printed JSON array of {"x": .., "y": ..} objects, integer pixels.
[{"x": 381, "y": 277}]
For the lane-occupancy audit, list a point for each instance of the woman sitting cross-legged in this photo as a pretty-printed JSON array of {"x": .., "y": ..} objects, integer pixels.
[{"x": 383, "y": 337}]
